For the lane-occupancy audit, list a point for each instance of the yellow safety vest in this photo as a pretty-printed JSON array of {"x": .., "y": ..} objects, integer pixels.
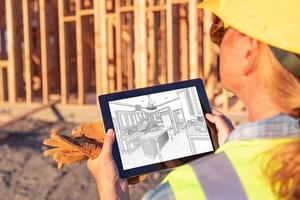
[{"x": 233, "y": 172}]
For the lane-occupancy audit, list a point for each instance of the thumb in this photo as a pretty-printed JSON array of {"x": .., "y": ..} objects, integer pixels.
[
  {"x": 210, "y": 118},
  {"x": 108, "y": 143}
]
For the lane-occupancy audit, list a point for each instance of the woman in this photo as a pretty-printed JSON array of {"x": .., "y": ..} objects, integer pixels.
[{"x": 258, "y": 160}]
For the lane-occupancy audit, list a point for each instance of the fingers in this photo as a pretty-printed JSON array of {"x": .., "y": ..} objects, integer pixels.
[
  {"x": 108, "y": 142},
  {"x": 218, "y": 120},
  {"x": 216, "y": 112},
  {"x": 223, "y": 125},
  {"x": 210, "y": 118},
  {"x": 225, "y": 119}
]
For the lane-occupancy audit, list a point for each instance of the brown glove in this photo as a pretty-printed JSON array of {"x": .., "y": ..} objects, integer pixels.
[{"x": 85, "y": 141}]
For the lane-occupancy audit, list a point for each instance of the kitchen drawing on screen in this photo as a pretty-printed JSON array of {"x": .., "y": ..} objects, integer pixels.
[{"x": 159, "y": 127}]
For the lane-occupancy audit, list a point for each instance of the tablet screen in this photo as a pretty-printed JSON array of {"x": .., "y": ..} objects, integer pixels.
[{"x": 159, "y": 127}]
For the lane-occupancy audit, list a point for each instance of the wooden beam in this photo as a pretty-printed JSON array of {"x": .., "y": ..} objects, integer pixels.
[
  {"x": 179, "y": 1},
  {"x": 125, "y": 9},
  {"x": 140, "y": 53},
  {"x": 207, "y": 51},
  {"x": 79, "y": 46},
  {"x": 170, "y": 67},
  {"x": 14, "y": 51},
  {"x": 193, "y": 39},
  {"x": 2, "y": 88},
  {"x": 111, "y": 54},
  {"x": 118, "y": 46},
  {"x": 62, "y": 47},
  {"x": 155, "y": 8},
  {"x": 69, "y": 18},
  {"x": 44, "y": 50},
  {"x": 207, "y": 44},
  {"x": 27, "y": 51},
  {"x": 101, "y": 64},
  {"x": 4, "y": 63},
  {"x": 151, "y": 45},
  {"x": 86, "y": 12}
]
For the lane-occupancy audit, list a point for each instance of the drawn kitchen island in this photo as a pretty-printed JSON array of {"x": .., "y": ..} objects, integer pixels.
[
  {"x": 153, "y": 141},
  {"x": 159, "y": 127}
]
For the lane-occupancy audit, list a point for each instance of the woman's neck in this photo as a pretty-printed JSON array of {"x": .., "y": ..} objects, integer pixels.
[{"x": 260, "y": 106}]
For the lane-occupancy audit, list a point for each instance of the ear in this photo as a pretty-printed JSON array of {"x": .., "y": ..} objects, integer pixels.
[{"x": 250, "y": 55}]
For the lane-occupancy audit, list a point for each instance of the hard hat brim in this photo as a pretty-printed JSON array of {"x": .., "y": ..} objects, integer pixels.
[{"x": 277, "y": 33}]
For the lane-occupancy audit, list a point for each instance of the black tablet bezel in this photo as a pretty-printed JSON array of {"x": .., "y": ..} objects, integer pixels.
[{"x": 108, "y": 123}]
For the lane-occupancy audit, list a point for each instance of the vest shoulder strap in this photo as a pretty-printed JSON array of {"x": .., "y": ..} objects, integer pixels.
[
  {"x": 212, "y": 177},
  {"x": 218, "y": 178}
]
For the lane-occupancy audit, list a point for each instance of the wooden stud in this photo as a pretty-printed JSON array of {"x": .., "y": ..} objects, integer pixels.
[
  {"x": 14, "y": 51},
  {"x": 62, "y": 46},
  {"x": 207, "y": 52},
  {"x": 44, "y": 50},
  {"x": 140, "y": 52},
  {"x": 170, "y": 67},
  {"x": 27, "y": 51},
  {"x": 193, "y": 39},
  {"x": 80, "y": 68},
  {"x": 101, "y": 47},
  {"x": 118, "y": 46},
  {"x": 151, "y": 44},
  {"x": 110, "y": 53},
  {"x": 2, "y": 89}
]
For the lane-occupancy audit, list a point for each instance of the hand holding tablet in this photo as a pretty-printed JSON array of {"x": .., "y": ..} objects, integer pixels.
[{"x": 158, "y": 127}]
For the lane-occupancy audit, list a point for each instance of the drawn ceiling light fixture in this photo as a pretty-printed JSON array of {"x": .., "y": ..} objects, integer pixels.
[{"x": 150, "y": 105}]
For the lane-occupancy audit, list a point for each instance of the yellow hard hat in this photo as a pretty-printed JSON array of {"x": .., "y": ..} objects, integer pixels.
[{"x": 274, "y": 22}]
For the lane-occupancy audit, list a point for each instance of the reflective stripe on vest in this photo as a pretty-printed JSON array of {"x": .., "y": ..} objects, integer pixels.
[{"x": 218, "y": 182}]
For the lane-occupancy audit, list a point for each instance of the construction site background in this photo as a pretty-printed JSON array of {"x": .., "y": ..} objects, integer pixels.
[{"x": 57, "y": 56}]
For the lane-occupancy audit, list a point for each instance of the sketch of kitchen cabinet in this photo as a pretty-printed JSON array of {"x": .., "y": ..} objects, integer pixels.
[
  {"x": 179, "y": 118},
  {"x": 193, "y": 102},
  {"x": 158, "y": 118},
  {"x": 141, "y": 116},
  {"x": 118, "y": 136},
  {"x": 130, "y": 142}
]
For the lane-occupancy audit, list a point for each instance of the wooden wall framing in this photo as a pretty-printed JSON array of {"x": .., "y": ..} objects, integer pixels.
[{"x": 79, "y": 49}]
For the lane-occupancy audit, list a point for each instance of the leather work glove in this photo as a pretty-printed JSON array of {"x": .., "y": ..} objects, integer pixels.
[{"x": 85, "y": 141}]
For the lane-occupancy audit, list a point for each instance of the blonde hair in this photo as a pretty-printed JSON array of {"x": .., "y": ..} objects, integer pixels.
[{"x": 284, "y": 89}]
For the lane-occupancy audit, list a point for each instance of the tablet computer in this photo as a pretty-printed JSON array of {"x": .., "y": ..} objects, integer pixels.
[{"x": 158, "y": 127}]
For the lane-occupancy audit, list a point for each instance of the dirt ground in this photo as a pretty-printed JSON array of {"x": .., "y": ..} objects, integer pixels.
[{"x": 26, "y": 174}]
